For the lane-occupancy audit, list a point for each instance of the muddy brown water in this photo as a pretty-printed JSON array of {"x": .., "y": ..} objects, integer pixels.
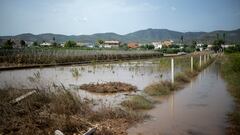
[
  {"x": 200, "y": 109},
  {"x": 136, "y": 72}
]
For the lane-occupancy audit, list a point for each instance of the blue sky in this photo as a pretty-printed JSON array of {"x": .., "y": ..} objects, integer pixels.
[{"x": 75, "y": 17}]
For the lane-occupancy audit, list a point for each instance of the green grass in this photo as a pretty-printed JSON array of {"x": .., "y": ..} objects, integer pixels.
[
  {"x": 230, "y": 70},
  {"x": 137, "y": 102}
]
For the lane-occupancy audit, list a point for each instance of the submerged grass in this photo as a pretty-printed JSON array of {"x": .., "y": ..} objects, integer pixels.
[
  {"x": 230, "y": 70},
  {"x": 138, "y": 102}
]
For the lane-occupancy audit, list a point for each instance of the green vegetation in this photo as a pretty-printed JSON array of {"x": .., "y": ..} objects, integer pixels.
[
  {"x": 137, "y": 102},
  {"x": 230, "y": 70},
  {"x": 8, "y": 44},
  {"x": 234, "y": 49},
  {"x": 70, "y": 44},
  {"x": 147, "y": 47}
]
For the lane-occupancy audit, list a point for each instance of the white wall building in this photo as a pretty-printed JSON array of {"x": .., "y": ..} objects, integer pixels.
[
  {"x": 157, "y": 45},
  {"x": 45, "y": 44}
]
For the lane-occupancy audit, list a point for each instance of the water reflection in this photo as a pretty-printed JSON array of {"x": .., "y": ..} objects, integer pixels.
[{"x": 200, "y": 108}]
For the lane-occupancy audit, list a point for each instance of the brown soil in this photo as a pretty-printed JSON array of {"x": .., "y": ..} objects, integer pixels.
[{"x": 110, "y": 87}]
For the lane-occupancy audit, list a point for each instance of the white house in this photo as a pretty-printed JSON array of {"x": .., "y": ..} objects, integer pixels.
[
  {"x": 45, "y": 44},
  {"x": 157, "y": 45},
  {"x": 200, "y": 45},
  {"x": 227, "y": 46},
  {"x": 111, "y": 44}
]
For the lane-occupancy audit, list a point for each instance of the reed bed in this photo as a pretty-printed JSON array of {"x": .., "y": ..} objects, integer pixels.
[{"x": 58, "y": 56}]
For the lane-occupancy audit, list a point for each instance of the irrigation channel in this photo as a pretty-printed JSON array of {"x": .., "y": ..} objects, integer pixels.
[{"x": 200, "y": 108}]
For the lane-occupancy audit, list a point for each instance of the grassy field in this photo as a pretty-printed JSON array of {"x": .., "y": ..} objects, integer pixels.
[{"x": 230, "y": 69}]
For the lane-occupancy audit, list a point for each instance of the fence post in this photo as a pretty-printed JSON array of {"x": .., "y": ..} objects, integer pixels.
[
  {"x": 172, "y": 66},
  {"x": 191, "y": 63},
  {"x": 200, "y": 61}
]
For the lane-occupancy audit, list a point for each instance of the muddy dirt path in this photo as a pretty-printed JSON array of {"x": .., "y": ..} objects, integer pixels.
[{"x": 200, "y": 108}]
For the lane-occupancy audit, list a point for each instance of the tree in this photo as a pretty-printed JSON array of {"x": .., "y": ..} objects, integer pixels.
[
  {"x": 182, "y": 39},
  {"x": 8, "y": 44},
  {"x": 148, "y": 47},
  {"x": 35, "y": 43},
  {"x": 224, "y": 37},
  {"x": 100, "y": 42},
  {"x": 194, "y": 44},
  {"x": 217, "y": 36},
  {"x": 217, "y": 44},
  {"x": 70, "y": 43},
  {"x": 23, "y": 43}
]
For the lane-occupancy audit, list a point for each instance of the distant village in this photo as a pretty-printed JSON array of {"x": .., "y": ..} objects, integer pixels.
[{"x": 113, "y": 44}]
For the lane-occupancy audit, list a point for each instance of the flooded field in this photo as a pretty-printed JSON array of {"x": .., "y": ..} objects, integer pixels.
[
  {"x": 200, "y": 108},
  {"x": 138, "y": 73}
]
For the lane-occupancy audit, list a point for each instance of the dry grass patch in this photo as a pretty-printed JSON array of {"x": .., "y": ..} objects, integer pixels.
[
  {"x": 45, "y": 112},
  {"x": 161, "y": 88},
  {"x": 109, "y": 87},
  {"x": 137, "y": 102},
  {"x": 182, "y": 78}
]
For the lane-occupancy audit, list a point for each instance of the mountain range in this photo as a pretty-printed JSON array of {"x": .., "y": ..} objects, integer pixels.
[{"x": 141, "y": 36}]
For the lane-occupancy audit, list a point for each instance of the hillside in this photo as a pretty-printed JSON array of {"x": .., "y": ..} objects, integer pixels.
[{"x": 143, "y": 36}]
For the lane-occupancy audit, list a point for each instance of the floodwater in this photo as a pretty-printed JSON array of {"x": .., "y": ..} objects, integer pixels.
[
  {"x": 140, "y": 73},
  {"x": 199, "y": 109}
]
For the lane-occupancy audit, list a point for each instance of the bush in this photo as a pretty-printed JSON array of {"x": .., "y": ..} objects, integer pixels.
[{"x": 70, "y": 44}]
